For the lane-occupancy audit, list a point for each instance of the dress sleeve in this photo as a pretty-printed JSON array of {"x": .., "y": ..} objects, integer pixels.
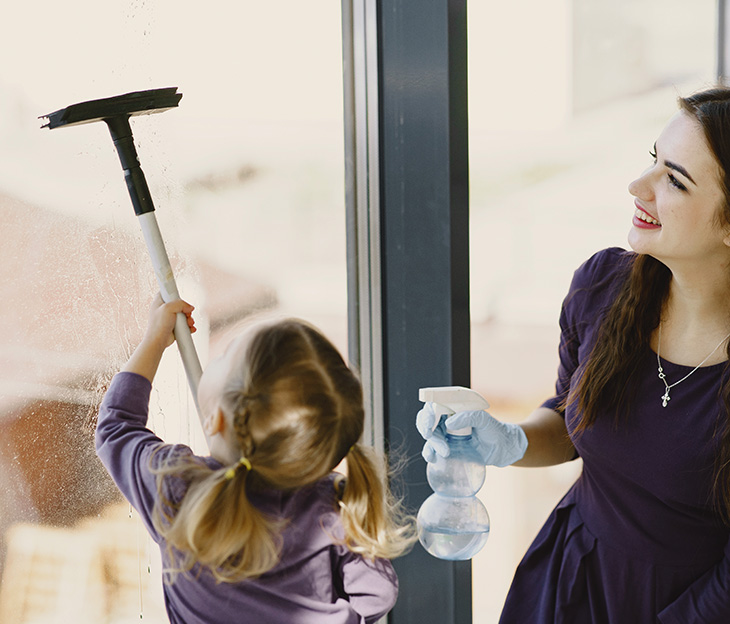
[
  {"x": 568, "y": 359},
  {"x": 591, "y": 291},
  {"x": 125, "y": 445},
  {"x": 706, "y": 601},
  {"x": 370, "y": 586}
]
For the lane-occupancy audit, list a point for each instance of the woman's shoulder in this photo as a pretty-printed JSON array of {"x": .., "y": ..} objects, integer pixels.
[
  {"x": 606, "y": 264},
  {"x": 596, "y": 283}
]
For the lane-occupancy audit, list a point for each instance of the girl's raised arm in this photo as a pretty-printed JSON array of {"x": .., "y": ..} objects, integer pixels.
[{"x": 159, "y": 335}]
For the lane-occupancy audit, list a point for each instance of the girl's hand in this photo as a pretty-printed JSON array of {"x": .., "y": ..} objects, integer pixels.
[
  {"x": 159, "y": 335},
  {"x": 161, "y": 322}
]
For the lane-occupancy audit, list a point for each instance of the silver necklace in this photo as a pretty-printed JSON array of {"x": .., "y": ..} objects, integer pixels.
[{"x": 663, "y": 377}]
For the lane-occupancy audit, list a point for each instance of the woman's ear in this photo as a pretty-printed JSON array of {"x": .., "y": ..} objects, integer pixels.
[{"x": 214, "y": 423}]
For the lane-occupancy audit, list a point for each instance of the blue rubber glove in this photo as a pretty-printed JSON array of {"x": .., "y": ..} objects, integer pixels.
[
  {"x": 500, "y": 444},
  {"x": 435, "y": 436}
]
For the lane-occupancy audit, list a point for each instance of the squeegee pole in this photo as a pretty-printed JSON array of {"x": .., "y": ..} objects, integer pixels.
[
  {"x": 168, "y": 289},
  {"x": 145, "y": 210}
]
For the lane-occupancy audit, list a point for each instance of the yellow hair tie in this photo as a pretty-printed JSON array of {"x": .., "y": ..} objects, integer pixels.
[{"x": 231, "y": 472}]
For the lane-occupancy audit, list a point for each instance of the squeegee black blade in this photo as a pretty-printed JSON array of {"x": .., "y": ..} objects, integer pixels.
[{"x": 136, "y": 103}]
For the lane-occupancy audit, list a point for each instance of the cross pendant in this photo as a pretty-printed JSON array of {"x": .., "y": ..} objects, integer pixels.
[{"x": 665, "y": 398}]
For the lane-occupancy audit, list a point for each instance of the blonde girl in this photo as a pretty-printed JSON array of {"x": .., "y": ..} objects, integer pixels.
[{"x": 262, "y": 530}]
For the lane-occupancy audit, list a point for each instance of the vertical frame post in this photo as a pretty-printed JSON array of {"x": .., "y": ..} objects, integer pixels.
[
  {"x": 408, "y": 261},
  {"x": 723, "y": 42},
  {"x": 425, "y": 261},
  {"x": 362, "y": 188}
]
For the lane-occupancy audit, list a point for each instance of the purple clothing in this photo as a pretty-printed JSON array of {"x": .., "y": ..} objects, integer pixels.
[
  {"x": 635, "y": 540},
  {"x": 317, "y": 580}
]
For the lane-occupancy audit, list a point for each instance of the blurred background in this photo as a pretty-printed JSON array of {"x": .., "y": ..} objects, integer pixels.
[{"x": 566, "y": 99}]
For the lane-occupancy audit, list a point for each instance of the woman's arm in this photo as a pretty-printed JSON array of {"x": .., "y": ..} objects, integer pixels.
[{"x": 547, "y": 437}]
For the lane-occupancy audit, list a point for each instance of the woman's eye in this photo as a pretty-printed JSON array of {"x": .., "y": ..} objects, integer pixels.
[
  {"x": 676, "y": 183},
  {"x": 652, "y": 153}
]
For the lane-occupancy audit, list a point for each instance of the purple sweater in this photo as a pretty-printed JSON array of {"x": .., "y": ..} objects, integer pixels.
[{"x": 317, "y": 580}]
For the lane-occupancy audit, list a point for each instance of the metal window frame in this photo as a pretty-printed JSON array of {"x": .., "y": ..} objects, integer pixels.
[
  {"x": 723, "y": 42},
  {"x": 406, "y": 164},
  {"x": 362, "y": 184}
]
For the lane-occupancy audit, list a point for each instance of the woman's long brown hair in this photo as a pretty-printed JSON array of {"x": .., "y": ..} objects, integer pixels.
[{"x": 626, "y": 330}]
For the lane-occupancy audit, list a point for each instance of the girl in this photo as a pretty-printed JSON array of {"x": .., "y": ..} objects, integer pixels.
[
  {"x": 261, "y": 531},
  {"x": 643, "y": 396}
]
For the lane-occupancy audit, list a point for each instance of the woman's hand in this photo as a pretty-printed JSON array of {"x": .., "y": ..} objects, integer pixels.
[
  {"x": 433, "y": 432},
  {"x": 498, "y": 443}
]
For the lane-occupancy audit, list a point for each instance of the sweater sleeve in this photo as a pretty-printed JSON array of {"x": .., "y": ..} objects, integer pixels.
[
  {"x": 370, "y": 586},
  {"x": 125, "y": 445}
]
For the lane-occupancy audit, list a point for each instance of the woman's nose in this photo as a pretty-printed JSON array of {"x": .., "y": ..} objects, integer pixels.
[
  {"x": 640, "y": 187},
  {"x": 634, "y": 187}
]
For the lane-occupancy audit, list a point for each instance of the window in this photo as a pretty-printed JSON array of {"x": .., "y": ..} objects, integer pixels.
[
  {"x": 248, "y": 180},
  {"x": 566, "y": 99}
]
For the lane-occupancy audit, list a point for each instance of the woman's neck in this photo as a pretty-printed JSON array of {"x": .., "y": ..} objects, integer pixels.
[
  {"x": 696, "y": 299},
  {"x": 695, "y": 317}
]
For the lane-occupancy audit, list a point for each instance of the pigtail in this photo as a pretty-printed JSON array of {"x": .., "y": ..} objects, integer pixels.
[
  {"x": 215, "y": 519},
  {"x": 295, "y": 409},
  {"x": 374, "y": 521}
]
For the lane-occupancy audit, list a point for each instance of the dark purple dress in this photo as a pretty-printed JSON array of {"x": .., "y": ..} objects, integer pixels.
[{"x": 635, "y": 540}]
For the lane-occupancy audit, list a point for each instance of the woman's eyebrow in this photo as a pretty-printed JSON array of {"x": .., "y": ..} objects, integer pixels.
[
  {"x": 680, "y": 169},
  {"x": 676, "y": 167}
]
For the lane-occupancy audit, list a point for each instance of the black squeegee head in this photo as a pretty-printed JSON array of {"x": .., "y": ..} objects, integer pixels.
[{"x": 129, "y": 104}]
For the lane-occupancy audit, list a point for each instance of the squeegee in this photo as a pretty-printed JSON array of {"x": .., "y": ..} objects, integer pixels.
[{"x": 115, "y": 112}]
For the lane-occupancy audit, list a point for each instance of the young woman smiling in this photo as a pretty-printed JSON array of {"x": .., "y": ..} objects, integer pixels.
[{"x": 643, "y": 397}]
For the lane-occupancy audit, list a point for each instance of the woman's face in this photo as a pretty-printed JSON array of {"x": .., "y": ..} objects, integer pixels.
[{"x": 679, "y": 199}]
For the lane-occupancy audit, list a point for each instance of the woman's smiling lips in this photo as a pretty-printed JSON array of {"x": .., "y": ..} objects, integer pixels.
[{"x": 642, "y": 219}]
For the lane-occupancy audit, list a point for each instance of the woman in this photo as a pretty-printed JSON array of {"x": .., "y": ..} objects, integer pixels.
[{"x": 643, "y": 396}]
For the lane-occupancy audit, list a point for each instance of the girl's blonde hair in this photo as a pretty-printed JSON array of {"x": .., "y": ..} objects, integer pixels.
[{"x": 297, "y": 411}]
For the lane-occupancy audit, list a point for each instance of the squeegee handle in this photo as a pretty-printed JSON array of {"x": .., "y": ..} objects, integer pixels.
[
  {"x": 139, "y": 192},
  {"x": 168, "y": 289},
  {"x": 144, "y": 208}
]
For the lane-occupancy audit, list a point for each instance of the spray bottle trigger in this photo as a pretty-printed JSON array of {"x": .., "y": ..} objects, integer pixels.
[
  {"x": 440, "y": 411},
  {"x": 451, "y": 399}
]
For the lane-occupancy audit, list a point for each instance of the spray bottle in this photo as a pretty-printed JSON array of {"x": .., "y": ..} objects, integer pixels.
[{"x": 453, "y": 523}]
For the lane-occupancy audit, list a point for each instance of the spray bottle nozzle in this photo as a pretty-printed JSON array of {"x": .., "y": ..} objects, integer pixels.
[{"x": 451, "y": 399}]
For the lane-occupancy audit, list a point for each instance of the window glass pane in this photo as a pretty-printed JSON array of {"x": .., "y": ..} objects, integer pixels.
[
  {"x": 566, "y": 100},
  {"x": 247, "y": 177}
]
